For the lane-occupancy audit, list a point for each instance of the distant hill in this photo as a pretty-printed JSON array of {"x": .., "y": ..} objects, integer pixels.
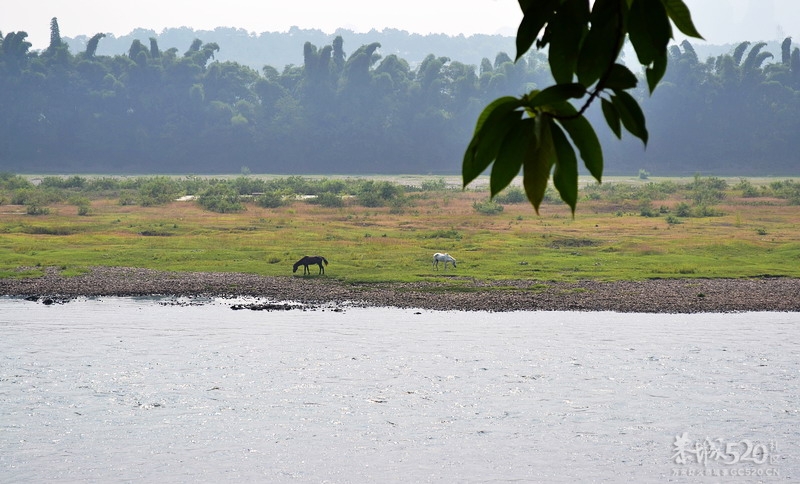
[{"x": 279, "y": 49}]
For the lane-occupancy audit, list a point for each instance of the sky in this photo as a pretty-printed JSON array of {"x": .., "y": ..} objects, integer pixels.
[{"x": 720, "y": 21}]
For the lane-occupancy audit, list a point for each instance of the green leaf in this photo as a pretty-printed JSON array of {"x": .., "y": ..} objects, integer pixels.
[
  {"x": 538, "y": 163},
  {"x": 585, "y": 139},
  {"x": 562, "y": 109},
  {"x": 501, "y": 103},
  {"x": 567, "y": 29},
  {"x": 526, "y": 4},
  {"x": 535, "y": 15},
  {"x": 655, "y": 73},
  {"x": 511, "y": 154},
  {"x": 602, "y": 44},
  {"x": 556, "y": 94},
  {"x": 565, "y": 176},
  {"x": 487, "y": 145},
  {"x": 630, "y": 114},
  {"x": 649, "y": 29},
  {"x": 681, "y": 17},
  {"x": 490, "y": 129},
  {"x": 612, "y": 118},
  {"x": 620, "y": 77}
]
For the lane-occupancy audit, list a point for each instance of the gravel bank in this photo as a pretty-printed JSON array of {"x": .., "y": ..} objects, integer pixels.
[{"x": 651, "y": 296}]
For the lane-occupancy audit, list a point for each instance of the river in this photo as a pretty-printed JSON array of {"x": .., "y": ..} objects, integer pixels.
[{"x": 162, "y": 390}]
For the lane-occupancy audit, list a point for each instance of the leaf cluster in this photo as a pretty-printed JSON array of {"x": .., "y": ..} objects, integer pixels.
[{"x": 540, "y": 131}]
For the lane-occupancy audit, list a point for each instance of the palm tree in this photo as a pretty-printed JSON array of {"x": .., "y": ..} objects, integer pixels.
[
  {"x": 91, "y": 46},
  {"x": 15, "y": 51}
]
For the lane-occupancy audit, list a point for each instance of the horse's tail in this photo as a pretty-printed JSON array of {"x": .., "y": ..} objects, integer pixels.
[{"x": 325, "y": 261}]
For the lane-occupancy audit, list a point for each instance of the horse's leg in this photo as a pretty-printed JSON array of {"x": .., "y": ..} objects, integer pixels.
[{"x": 321, "y": 269}]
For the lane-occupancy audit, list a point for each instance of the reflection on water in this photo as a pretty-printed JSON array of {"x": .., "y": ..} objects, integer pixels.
[{"x": 134, "y": 389}]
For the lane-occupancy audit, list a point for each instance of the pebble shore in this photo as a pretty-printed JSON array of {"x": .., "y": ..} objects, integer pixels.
[{"x": 648, "y": 296}]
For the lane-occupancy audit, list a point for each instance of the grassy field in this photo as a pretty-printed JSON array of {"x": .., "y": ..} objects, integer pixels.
[{"x": 625, "y": 229}]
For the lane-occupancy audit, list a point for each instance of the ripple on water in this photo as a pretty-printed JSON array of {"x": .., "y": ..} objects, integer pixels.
[{"x": 133, "y": 389}]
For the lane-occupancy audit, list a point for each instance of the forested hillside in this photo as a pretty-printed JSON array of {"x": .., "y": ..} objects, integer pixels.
[{"x": 179, "y": 109}]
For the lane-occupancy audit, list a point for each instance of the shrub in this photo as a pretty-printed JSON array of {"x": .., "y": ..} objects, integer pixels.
[
  {"x": 747, "y": 188},
  {"x": 192, "y": 185},
  {"x": 706, "y": 211},
  {"x": 511, "y": 195},
  {"x": 9, "y": 181},
  {"x": 657, "y": 191},
  {"x": 788, "y": 190},
  {"x": 78, "y": 200},
  {"x": 369, "y": 199},
  {"x": 646, "y": 209},
  {"x": 77, "y": 182},
  {"x": 332, "y": 186},
  {"x": 22, "y": 195},
  {"x": 683, "y": 210},
  {"x": 377, "y": 193},
  {"x": 157, "y": 191},
  {"x": 36, "y": 209},
  {"x": 245, "y": 185},
  {"x": 270, "y": 200},
  {"x": 487, "y": 207},
  {"x": 82, "y": 203},
  {"x": 127, "y": 199},
  {"x": 220, "y": 198},
  {"x": 707, "y": 191},
  {"x": 433, "y": 185},
  {"x": 750, "y": 192},
  {"x": 327, "y": 199}
]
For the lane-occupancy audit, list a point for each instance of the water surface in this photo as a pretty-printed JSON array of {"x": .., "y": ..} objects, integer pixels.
[{"x": 118, "y": 389}]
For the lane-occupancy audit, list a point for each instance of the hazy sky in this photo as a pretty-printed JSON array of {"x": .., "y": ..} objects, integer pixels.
[{"x": 720, "y": 21}]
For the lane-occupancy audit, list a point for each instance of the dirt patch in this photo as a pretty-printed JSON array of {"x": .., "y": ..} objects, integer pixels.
[
  {"x": 649, "y": 296},
  {"x": 572, "y": 242}
]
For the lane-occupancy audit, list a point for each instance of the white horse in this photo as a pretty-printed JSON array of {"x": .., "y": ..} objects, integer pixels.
[{"x": 439, "y": 257}]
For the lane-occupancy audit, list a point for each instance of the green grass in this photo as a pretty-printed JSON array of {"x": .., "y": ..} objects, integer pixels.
[{"x": 604, "y": 241}]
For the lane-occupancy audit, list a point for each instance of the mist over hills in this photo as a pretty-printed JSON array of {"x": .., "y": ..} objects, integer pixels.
[
  {"x": 279, "y": 49},
  {"x": 301, "y": 102}
]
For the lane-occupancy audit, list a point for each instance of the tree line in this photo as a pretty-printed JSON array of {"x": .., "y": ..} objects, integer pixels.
[
  {"x": 283, "y": 48},
  {"x": 156, "y": 110}
]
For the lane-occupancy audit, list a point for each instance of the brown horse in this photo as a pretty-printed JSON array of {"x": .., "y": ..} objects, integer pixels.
[{"x": 310, "y": 260}]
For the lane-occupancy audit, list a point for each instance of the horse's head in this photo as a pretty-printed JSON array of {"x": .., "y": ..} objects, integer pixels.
[
  {"x": 453, "y": 261},
  {"x": 294, "y": 268}
]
